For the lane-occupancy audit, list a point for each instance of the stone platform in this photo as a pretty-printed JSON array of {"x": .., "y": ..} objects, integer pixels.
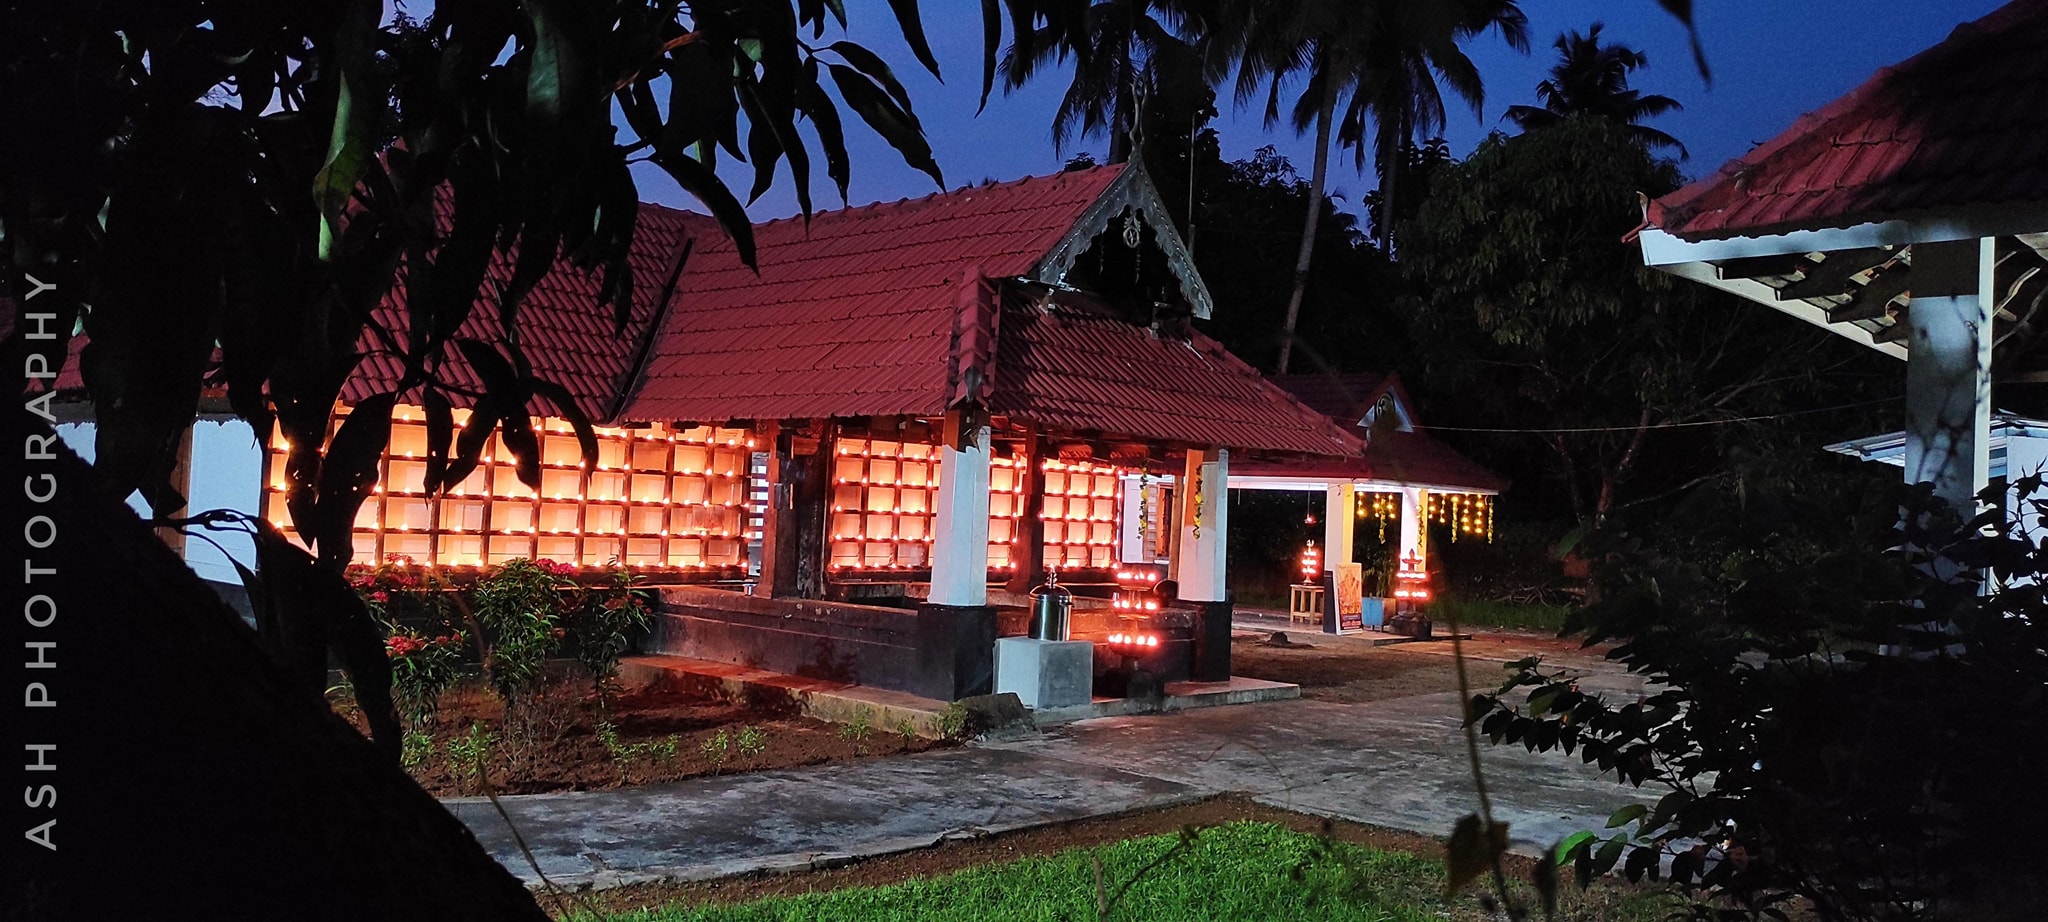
[{"x": 838, "y": 702}]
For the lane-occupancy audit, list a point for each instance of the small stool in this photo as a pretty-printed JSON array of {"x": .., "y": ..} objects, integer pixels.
[{"x": 1305, "y": 603}]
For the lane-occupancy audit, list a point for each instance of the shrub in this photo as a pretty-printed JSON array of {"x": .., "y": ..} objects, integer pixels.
[
  {"x": 604, "y": 621},
  {"x": 421, "y": 669},
  {"x": 1833, "y": 724},
  {"x": 519, "y": 605}
]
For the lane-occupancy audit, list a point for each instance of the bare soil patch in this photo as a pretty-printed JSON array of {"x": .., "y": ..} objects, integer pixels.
[{"x": 657, "y": 735}]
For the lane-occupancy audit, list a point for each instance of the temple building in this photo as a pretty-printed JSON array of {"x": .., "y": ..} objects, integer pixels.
[{"x": 853, "y": 462}]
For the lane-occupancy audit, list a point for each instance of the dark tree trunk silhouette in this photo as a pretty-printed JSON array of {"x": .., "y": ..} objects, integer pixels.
[
  {"x": 1308, "y": 230},
  {"x": 196, "y": 779}
]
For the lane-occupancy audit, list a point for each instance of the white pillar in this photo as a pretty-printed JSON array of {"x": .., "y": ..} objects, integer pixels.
[
  {"x": 1414, "y": 534},
  {"x": 1132, "y": 539},
  {"x": 1338, "y": 506},
  {"x": 960, "y": 528},
  {"x": 1204, "y": 525},
  {"x": 1948, "y": 370}
]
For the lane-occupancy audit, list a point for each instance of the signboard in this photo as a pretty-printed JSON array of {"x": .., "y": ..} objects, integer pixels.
[{"x": 1350, "y": 597}]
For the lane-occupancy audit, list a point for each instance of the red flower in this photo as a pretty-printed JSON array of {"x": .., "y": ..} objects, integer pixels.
[
  {"x": 380, "y": 597},
  {"x": 559, "y": 633}
]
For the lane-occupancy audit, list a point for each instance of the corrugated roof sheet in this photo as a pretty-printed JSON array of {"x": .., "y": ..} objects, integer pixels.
[
  {"x": 852, "y": 313},
  {"x": 1961, "y": 124}
]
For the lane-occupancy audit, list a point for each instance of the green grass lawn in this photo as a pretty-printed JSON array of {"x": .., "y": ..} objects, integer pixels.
[
  {"x": 1487, "y": 614},
  {"x": 1241, "y": 871}
]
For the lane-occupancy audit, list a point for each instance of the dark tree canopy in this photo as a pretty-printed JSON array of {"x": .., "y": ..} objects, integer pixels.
[{"x": 1533, "y": 312}]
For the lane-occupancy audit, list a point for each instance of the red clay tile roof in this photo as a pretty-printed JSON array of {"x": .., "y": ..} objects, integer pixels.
[
  {"x": 1066, "y": 365},
  {"x": 569, "y": 339},
  {"x": 564, "y": 334},
  {"x": 854, "y": 313},
  {"x": 906, "y": 308},
  {"x": 1343, "y": 396},
  {"x": 1961, "y": 124},
  {"x": 1389, "y": 455}
]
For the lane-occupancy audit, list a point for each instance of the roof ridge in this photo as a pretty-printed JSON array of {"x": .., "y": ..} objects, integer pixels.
[{"x": 907, "y": 202}]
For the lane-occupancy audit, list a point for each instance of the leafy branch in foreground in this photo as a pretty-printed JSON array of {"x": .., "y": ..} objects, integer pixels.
[{"x": 1831, "y": 725}]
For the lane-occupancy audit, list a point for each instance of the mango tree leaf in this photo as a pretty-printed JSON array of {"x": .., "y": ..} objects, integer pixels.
[
  {"x": 348, "y": 471},
  {"x": 991, "y": 45},
  {"x": 698, "y": 180},
  {"x": 1626, "y": 815},
  {"x": 566, "y": 406},
  {"x": 469, "y": 443},
  {"x": 348, "y": 142},
  {"x": 824, "y": 116},
  {"x": 764, "y": 148},
  {"x": 516, "y": 429},
  {"x": 913, "y": 33},
  {"x": 440, "y": 431},
  {"x": 882, "y": 114},
  {"x": 871, "y": 64}
]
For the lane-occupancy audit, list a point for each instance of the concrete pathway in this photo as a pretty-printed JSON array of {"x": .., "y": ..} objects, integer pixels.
[
  {"x": 823, "y": 816},
  {"x": 1399, "y": 763}
]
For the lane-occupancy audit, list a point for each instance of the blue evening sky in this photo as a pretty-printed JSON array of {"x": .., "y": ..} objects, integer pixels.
[{"x": 1771, "y": 60}]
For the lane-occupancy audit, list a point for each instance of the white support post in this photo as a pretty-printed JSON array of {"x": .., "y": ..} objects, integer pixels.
[
  {"x": 1948, "y": 370},
  {"x": 1204, "y": 525},
  {"x": 960, "y": 529},
  {"x": 1414, "y": 534},
  {"x": 1337, "y": 525},
  {"x": 1131, "y": 542}
]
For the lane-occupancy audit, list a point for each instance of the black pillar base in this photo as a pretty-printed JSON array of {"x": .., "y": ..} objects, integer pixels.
[
  {"x": 1212, "y": 641},
  {"x": 956, "y": 651}
]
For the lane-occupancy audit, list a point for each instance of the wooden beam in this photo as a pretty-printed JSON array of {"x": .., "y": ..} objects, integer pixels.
[
  {"x": 810, "y": 482},
  {"x": 1028, "y": 551},
  {"x": 1871, "y": 299},
  {"x": 1831, "y": 276}
]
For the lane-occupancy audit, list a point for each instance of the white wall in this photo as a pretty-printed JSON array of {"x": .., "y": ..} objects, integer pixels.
[{"x": 227, "y": 473}]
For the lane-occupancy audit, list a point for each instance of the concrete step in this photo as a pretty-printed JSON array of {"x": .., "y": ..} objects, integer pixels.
[
  {"x": 889, "y": 711},
  {"x": 835, "y": 702}
]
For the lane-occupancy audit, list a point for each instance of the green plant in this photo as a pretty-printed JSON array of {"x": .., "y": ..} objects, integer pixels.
[
  {"x": 624, "y": 754},
  {"x": 907, "y": 729},
  {"x": 519, "y": 606},
  {"x": 415, "y": 748},
  {"x": 1830, "y": 723},
  {"x": 603, "y": 622},
  {"x": 421, "y": 669},
  {"x": 953, "y": 722},
  {"x": 469, "y": 754},
  {"x": 751, "y": 741},
  {"x": 342, "y": 698},
  {"x": 718, "y": 746},
  {"x": 860, "y": 728}
]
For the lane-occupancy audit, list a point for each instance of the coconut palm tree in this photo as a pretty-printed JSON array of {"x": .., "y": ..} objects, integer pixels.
[
  {"x": 1591, "y": 79},
  {"x": 1379, "y": 66},
  {"x": 1127, "y": 49}
]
